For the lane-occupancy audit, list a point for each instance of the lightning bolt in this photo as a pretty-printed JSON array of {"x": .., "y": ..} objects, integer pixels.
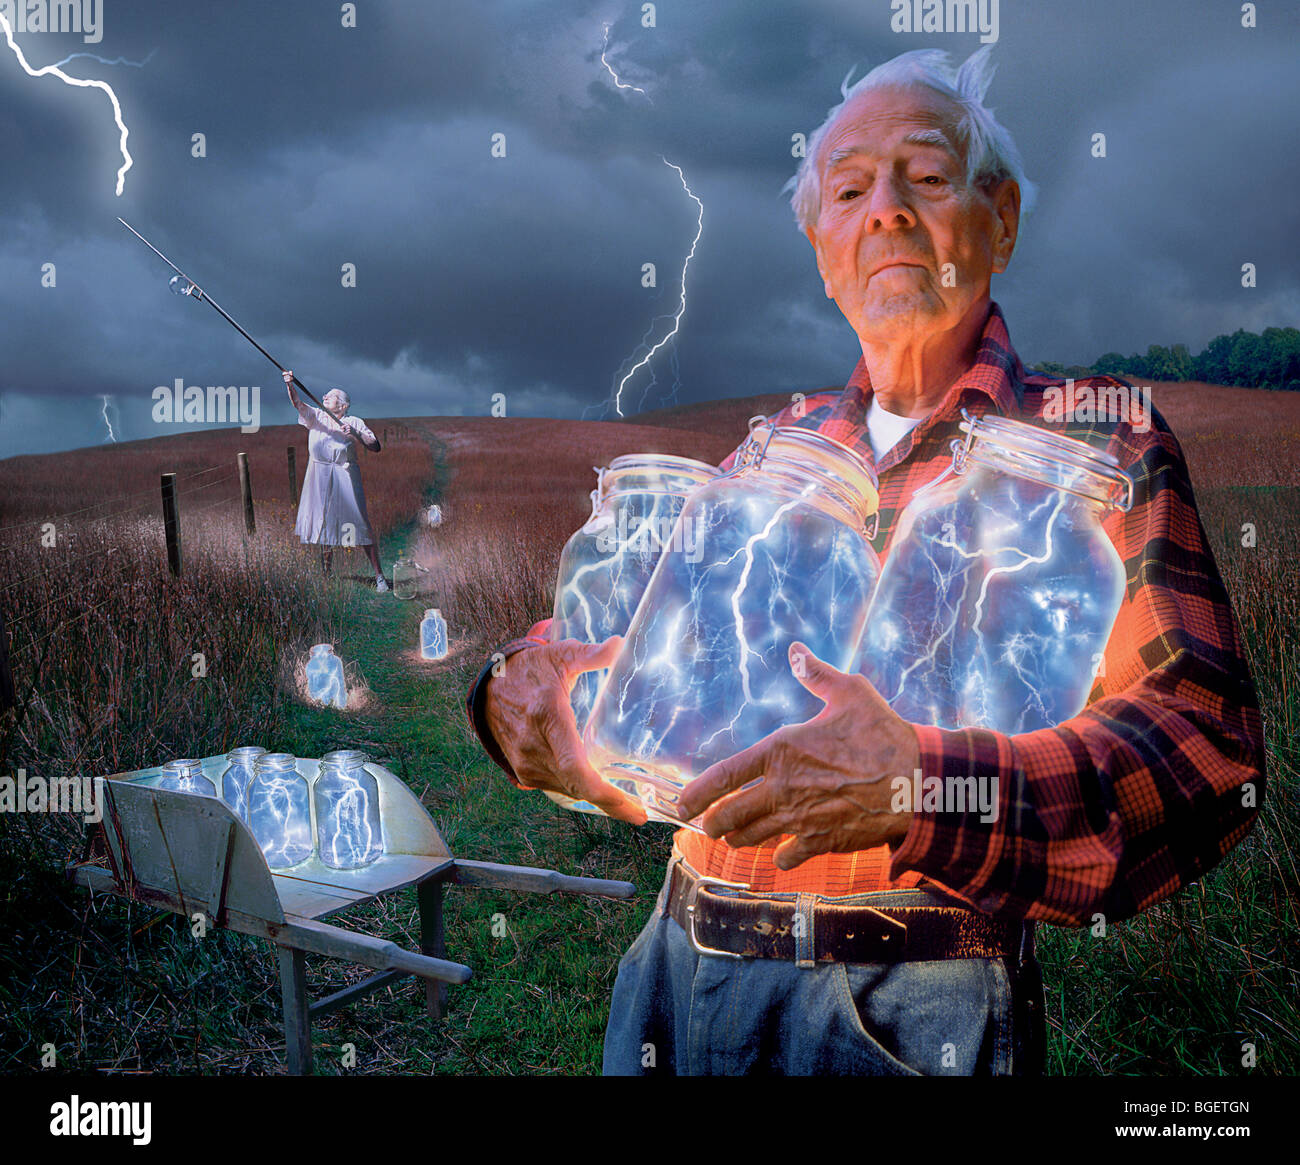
[
  {"x": 952, "y": 648},
  {"x": 601, "y": 596},
  {"x": 998, "y": 550},
  {"x": 671, "y": 399},
  {"x": 105, "y": 60},
  {"x": 610, "y": 70},
  {"x": 705, "y": 668},
  {"x": 738, "y": 616},
  {"x": 80, "y": 83},
  {"x": 106, "y": 398},
  {"x": 681, "y": 309}
]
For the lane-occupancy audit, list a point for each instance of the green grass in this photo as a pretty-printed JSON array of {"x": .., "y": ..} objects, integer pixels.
[
  {"x": 1179, "y": 989},
  {"x": 120, "y": 988},
  {"x": 117, "y": 987},
  {"x": 540, "y": 995}
]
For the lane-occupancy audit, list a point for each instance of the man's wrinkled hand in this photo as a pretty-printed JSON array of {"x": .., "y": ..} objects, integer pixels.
[
  {"x": 827, "y": 782},
  {"x": 531, "y": 718}
]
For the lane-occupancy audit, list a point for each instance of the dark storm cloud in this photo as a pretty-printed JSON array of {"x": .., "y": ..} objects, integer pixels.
[{"x": 523, "y": 275}]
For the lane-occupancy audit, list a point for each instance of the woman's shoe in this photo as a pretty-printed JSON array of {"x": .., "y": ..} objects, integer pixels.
[{"x": 381, "y": 583}]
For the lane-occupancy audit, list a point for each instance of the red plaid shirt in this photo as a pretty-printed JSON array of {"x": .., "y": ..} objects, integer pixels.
[{"x": 1112, "y": 810}]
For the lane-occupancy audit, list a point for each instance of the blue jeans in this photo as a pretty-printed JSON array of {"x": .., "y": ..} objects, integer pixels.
[{"x": 674, "y": 1011}]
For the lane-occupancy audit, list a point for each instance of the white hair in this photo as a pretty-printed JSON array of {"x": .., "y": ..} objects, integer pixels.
[
  {"x": 989, "y": 150},
  {"x": 343, "y": 396}
]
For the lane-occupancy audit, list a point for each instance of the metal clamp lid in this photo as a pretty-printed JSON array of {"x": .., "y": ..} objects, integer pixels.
[
  {"x": 756, "y": 455},
  {"x": 1043, "y": 449},
  {"x": 754, "y": 450},
  {"x": 664, "y": 464}
]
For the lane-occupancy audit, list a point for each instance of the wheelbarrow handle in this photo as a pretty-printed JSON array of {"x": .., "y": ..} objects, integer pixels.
[
  {"x": 323, "y": 939},
  {"x": 493, "y": 876}
]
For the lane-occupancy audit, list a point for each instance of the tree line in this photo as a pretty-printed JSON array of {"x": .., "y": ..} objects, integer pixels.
[{"x": 1245, "y": 359}]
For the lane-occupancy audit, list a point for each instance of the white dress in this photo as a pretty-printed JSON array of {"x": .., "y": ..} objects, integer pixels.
[{"x": 332, "y": 497}]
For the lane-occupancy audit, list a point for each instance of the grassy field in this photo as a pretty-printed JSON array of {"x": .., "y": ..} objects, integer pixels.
[{"x": 103, "y": 639}]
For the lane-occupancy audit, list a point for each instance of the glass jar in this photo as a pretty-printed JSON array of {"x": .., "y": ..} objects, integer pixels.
[
  {"x": 186, "y": 776},
  {"x": 325, "y": 681},
  {"x": 405, "y": 582},
  {"x": 240, "y": 763},
  {"x": 279, "y": 810},
  {"x": 433, "y": 635},
  {"x": 1000, "y": 588},
  {"x": 780, "y": 552},
  {"x": 346, "y": 799},
  {"x": 606, "y": 564}
]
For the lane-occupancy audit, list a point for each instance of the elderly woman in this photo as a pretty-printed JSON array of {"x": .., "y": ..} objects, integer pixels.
[{"x": 332, "y": 497}]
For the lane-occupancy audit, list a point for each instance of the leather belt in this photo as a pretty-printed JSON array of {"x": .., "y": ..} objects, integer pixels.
[{"x": 812, "y": 929}]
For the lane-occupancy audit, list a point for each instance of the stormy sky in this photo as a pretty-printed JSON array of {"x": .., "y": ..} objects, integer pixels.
[{"x": 522, "y": 274}]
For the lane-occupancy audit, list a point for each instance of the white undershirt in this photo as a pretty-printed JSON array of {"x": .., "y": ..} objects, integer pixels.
[{"x": 885, "y": 429}]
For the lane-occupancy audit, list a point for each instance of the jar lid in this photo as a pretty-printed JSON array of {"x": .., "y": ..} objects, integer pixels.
[
  {"x": 652, "y": 473},
  {"x": 344, "y": 758},
  {"x": 183, "y": 767},
  {"x": 277, "y": 762},
  {"x": 1036, "y": 453},
  {"x": 835, "y": 467}
]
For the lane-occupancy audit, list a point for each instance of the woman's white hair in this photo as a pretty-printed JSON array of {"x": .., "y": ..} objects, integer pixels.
[
  {"x": 990, "y": 152},
  {"x": 347, "y": 400}
]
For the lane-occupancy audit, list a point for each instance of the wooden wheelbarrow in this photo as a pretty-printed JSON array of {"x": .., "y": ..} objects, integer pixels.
[{"x": 192, "y": 855}]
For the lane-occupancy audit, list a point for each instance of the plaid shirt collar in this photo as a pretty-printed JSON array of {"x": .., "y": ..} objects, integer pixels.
[{"x": 995, "y": 379}]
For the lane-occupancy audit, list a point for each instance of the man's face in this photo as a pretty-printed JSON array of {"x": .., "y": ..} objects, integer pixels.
[{"x": 895, "y": 212}]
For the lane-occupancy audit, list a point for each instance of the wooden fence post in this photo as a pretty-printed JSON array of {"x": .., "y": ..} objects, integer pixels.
[
  {"x": 7, "y": 699},
  {"x": 293, "y": 476},
  {"x": 171, "y": 522},
  {"x": 246, "y": 488}
]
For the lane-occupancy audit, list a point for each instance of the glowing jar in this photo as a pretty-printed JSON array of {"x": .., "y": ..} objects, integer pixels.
[
  {"x": 240, "y": 763},
  {"x": 279, "y": 810},
  {"x": 186, "y": 776},
  {"x": 346, "y": 799},
  {"x": 607, "y": 563},
  {"x": 779, "y": 553},
  {"x": 1000, "y": 588},
  {"x": 405, "y": 583},
  {"x": 433, "y": 635},
  {"x": 325, "y": 681}
]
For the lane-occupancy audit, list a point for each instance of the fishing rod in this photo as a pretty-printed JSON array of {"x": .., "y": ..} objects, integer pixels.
[{"x": 182, "y": 284}]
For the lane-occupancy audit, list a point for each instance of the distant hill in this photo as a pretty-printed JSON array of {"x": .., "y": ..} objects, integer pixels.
[
  {"x": 1231, "y": 436},
  {"x": 720, "y": 416}
]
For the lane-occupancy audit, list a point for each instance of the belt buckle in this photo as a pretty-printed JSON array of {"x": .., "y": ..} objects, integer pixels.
[{"x": 700, "y": 883}]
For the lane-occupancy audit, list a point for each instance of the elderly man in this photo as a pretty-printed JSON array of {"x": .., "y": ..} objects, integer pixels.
[{"x": 872, "y": 941}]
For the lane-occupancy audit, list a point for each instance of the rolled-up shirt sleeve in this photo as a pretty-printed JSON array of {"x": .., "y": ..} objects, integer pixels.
[
  {"x": 318, "y": 419},
  {"x": 1161, "y": 773},
  {"x": 313, "y": 418},
  {"x": 475, "y": 700},
  {"x": 358, "y": 426}
]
